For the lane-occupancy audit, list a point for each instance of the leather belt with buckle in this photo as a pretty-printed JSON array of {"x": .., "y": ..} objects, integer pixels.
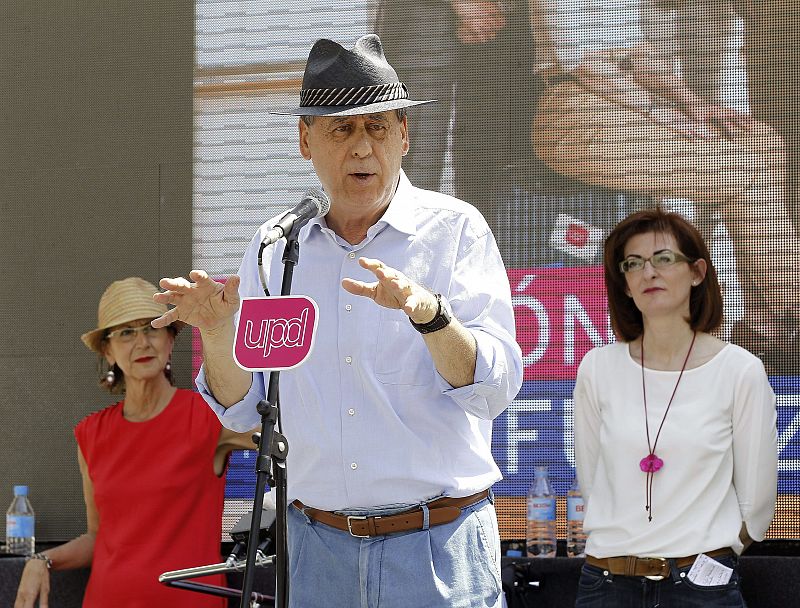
[
  {"x": 440, "y": 511},
  {"x": 654, "y": 568}
]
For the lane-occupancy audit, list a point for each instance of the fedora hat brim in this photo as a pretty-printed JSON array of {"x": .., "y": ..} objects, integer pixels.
[
  {"x": 370, "y": 108},
  {"x": 347, "y": 82}
]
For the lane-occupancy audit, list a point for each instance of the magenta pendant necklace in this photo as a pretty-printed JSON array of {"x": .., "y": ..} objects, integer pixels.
[{"x": 651, "y": 463}]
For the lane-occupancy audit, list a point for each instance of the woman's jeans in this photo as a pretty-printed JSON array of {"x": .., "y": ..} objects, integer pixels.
[{"x": 599, "y": 590}]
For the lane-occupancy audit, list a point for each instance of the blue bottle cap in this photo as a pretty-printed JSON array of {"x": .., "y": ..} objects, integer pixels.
[{"x": 20, "y": 490}]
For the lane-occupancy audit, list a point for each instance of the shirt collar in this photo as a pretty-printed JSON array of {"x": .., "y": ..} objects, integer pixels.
[{"x": 399, "y": 214}]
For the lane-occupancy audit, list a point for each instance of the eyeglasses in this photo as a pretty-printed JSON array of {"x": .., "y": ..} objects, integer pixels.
[
  {"x": 129, "y": 334},
  {"x": 660, "y": 259}
]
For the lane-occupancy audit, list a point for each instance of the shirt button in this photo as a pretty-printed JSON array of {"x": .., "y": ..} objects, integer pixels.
[
  {"x": 348, "y": 359},
  {"x": 351, "y": 255},
  {"x": 351, "y": 411},
  {"x": 353, "y": 466},
  {"x": 348, "y": 307}
]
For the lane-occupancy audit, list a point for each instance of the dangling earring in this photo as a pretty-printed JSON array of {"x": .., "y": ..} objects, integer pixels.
[
  {"x": 168, "y": 367},
  {"x": 110, "y": 377}
]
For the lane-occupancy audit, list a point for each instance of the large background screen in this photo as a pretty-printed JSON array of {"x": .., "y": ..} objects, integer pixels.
[
  {"x": 139, "y": 143},
  {"x": 544, "y": 125},
  {"x": 555, "y": 118}
]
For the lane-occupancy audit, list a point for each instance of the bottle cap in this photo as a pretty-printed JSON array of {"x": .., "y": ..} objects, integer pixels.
[{"x": 20, "y": 490}]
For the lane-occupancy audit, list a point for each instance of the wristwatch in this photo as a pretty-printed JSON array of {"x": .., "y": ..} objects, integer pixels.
[
  {"x": 440, "y": 321},
  {"x": 42, "y": 557}
]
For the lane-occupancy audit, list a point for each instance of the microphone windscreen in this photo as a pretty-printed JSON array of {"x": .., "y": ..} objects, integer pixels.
[{"x": 323, "y": 202}]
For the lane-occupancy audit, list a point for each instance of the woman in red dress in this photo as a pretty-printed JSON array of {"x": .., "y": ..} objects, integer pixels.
[{"x": 152, "y": 466}]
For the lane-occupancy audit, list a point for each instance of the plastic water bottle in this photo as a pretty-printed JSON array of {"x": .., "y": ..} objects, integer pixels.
[
  {"x": 541, "y": 536},
  {"x": 576, "y": 538},
  {"x": 20, "y": 523}
]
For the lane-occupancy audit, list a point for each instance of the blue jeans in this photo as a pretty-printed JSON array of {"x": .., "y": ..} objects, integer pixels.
[
  {"x": 455, "y": 565},
  {"x": 599, "y": 590}
]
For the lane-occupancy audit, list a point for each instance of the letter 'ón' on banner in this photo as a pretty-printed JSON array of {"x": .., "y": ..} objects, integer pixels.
[{"x": 275, "y": 333}]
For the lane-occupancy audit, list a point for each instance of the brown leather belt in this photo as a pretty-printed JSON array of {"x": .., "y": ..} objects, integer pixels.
[
  {"x": 655, "y": 568},
  {"x": 440, "y": 511}
]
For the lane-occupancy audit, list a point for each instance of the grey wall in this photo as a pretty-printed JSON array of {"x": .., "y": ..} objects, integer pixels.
[{"x": 95, "y": 185}]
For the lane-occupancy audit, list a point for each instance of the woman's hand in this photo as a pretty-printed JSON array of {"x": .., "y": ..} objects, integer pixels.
[
  {"x": 35, "y": 583},
  {"x": 726, "y": 121},
  {"x": 635, "y": 77},
  {"x": 599, "y": 73}
]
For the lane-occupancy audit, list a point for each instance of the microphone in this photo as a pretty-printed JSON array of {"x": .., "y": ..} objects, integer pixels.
[{"x": 315, "y": 203}]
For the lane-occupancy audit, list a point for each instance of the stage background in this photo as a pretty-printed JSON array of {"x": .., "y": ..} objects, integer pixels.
[
  {"x": 96, "y": 185},
  {"x": 138, "y": 141}
]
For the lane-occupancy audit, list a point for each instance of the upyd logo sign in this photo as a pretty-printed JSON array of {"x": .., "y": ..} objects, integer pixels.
[{"x": 274, "y": 333}]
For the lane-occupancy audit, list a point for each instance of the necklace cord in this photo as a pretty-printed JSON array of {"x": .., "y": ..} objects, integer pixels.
[{"x": 652, "y": 450}]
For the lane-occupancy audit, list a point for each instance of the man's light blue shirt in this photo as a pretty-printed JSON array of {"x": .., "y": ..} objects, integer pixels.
[{"x": 369, "y": 420}]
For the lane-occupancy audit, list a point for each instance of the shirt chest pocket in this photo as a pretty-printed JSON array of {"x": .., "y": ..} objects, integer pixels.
[{"x": 401, "y": 356}]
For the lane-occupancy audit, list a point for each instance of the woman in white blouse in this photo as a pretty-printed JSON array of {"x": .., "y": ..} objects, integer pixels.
[{"x": 675, "y": 430}]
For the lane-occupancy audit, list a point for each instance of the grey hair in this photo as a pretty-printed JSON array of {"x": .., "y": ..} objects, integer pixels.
[{"x": 401, "y": 113}]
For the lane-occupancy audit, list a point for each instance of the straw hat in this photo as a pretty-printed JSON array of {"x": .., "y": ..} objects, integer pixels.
[{"x": 122, "y": 302}]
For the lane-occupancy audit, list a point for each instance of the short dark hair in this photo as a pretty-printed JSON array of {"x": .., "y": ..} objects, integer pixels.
[
  {"x": 705, "y": 303},
  {"x": 401, "y": 113}
]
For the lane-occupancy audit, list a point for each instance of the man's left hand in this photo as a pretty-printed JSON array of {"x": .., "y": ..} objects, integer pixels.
[{"x": 393, "y": 289}]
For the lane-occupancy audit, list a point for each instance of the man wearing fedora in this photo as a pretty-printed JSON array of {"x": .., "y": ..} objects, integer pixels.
[{"x": 389, "y": 420}]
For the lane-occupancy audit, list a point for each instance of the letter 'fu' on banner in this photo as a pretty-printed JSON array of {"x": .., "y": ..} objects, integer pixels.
[{"x": 275, "y": 333}]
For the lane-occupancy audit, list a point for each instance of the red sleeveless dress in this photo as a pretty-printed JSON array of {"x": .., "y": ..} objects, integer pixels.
[{"x": 160, "y": 503}]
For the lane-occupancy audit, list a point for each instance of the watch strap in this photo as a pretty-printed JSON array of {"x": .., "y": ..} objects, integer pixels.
[{"x": 440, "y": 321}]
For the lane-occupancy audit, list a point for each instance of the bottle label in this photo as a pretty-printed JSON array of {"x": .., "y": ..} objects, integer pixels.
[
  {"x": 575, "y": 508},
  {"x": 542, "y": 509},
  {"x": 19, "y": 525}
]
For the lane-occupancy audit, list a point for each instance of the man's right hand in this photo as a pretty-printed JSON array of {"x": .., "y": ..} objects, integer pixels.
[
  {"x": 35, "y": 583},
  {"x": 200, "y": 301}
]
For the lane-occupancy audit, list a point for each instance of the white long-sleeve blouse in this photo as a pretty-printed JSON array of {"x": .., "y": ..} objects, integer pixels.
[{"x": 718, "y": 444}]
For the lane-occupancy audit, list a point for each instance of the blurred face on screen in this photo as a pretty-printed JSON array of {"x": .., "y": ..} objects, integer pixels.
[
  {"x": 357, "y": 159},
  {"x": 140, "y": 351},
  {"x": 662, "y": 286}
]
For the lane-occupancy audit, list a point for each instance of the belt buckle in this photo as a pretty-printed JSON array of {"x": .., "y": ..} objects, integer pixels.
[
  {"x": 350, "y": 519},
  {"x": 657, "y": 577}
]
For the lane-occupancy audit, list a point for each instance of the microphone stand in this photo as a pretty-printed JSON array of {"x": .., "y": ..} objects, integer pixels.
[
  {"x": 271, "y": 460},
  {"x": 178, "y": 579}
]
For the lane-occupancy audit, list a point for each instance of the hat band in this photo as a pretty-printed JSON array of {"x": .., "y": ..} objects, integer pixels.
[{"x": 353, "y": 96}]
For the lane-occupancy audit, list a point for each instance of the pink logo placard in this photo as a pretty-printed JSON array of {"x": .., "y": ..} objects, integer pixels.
[{"x": 275, "y": 333}]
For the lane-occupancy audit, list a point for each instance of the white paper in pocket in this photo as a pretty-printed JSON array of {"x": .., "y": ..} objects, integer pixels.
[{"x": 708, "y": 572}]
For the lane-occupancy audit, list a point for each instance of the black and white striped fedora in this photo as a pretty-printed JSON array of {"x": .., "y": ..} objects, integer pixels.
[{"x": 340, "y": 82}]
